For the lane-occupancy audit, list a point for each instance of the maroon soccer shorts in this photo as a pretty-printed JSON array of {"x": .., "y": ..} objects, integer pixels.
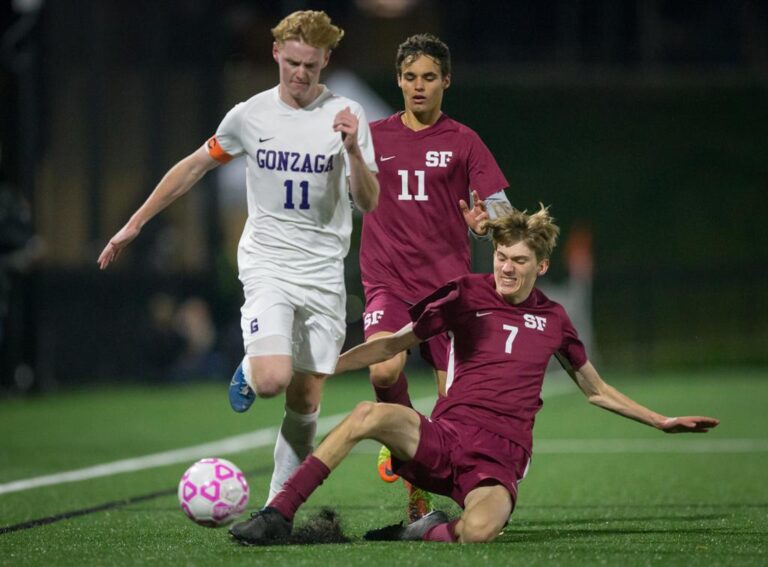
[
  {"x": 386, "y": 312},
  {"x": 452, "y": 459}
]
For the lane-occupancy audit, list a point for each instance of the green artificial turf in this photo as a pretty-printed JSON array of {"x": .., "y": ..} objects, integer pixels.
[{"x": 640, "y": 501}]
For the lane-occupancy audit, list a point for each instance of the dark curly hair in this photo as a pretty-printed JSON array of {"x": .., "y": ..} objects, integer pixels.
[{"x": 424, "y": 44}]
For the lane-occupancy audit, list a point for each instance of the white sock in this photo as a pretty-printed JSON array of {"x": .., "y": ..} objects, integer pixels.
[{"x": 293, "y": 445}]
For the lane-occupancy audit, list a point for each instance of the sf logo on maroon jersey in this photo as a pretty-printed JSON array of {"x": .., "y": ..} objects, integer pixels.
[
  {"x": 438, "y": 159},
  {"x": 372, "y": 318},
  {"x": 535, "y": 322}
]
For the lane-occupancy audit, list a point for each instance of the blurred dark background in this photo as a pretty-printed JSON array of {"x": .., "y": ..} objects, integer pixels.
[{"x": 644, "y": 123}]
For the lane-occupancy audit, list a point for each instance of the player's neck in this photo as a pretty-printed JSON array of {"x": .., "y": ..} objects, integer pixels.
[
  {"x": 420, "y": 121},
  {"x": 516, "y": 298},
  {"x": 303, "y": 102}
]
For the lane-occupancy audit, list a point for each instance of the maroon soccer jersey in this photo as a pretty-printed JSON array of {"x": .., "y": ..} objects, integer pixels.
[
  {"x": 500, "y": 353},
  {"x": 416, "y": 239}
]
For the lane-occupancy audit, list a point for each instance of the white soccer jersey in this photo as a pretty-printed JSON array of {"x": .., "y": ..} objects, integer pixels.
[{"x": 299, "y": 213}]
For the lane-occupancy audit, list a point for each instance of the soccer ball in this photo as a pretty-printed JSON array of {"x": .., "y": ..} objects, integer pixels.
[{"x": 213, "y": 492}]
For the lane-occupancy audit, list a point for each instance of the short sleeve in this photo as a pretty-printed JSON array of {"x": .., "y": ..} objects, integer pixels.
[
  {"x": 228, "y": 143},
  {"x": 432, "y": 315},
  {"x": 364, "y": 140},
  {"x": 485, "y": 176},
  {"x": 571, "y": 346}
]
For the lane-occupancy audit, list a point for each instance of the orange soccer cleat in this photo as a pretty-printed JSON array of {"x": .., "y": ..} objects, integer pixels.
[{"x": 384, "y": 464}]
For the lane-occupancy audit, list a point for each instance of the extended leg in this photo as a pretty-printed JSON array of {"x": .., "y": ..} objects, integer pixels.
[{"x": 396, "y": 426}]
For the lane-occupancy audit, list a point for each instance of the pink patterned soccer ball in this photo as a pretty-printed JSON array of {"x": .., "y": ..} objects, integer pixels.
[{"x": 213, "y": 492}]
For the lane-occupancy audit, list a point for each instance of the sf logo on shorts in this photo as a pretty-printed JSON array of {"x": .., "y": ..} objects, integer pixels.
[
  {"x": 254, "y": 326},
  {"x": 372, "y": 318}
]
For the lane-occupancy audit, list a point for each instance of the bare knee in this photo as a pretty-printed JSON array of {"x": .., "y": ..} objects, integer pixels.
[
  {"x": 269, "y": 374},
  {"x": 474, "y": 528},
  {"x": 269, "y": 384},
  {"x": 362, "y": 414},
  {"x": 385, "y": 373},
  {"x": 363, "y": 420}
]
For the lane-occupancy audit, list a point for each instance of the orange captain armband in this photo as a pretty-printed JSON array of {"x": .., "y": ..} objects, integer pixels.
[{"x": 216, "y": 151}]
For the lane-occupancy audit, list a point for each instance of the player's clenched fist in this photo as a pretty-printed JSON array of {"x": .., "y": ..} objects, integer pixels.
[{"x": 346, "y": 123}]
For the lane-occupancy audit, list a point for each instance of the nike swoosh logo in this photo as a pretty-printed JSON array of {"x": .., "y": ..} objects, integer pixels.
[
  {"x": 262, "y": 140},
  {"x": 479, "y": 314},
  {"x": 387, "y": 158}
]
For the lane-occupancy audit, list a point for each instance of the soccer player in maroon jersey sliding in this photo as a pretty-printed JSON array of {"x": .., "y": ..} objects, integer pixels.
[
  {"x": 477, "y": 444},
  {"x": 416, "y": 239}
]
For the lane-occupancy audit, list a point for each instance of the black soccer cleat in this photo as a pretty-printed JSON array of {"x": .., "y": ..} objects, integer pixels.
[
  {"x": 266, "y": 527},
  {"x": 411, "y": 532}
]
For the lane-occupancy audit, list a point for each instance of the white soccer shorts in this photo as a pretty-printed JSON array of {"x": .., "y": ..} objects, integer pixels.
[{"x": 307, "y": 323}]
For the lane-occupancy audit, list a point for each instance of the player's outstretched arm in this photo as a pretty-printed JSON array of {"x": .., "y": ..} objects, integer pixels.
[
  {"x": 377, "y": 350},
  {"x": 607, "y": 397},
  {"x": 363, "y": 184},
  {"x": 179, "y": 179}
]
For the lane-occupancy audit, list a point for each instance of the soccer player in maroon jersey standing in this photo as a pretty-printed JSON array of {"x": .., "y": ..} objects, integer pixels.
[
  {"x": 477, "y": 444},
  {"x": 417, "y": 237}
]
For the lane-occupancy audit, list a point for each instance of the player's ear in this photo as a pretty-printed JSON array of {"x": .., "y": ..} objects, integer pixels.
[
  {"x": 275, "y": 51},
  {"x": 326, "y": 58},
  {"x": 543, "y": 267},
  {"x": 447, "y": 81}
]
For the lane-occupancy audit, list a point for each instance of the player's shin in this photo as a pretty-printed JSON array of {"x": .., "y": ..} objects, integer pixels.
[
  {"x": 397, "y": 393},
  {"x": 300, "y": 486},
  {"x": 294, "y": 443},
  {"x": 443, "y": 532}
]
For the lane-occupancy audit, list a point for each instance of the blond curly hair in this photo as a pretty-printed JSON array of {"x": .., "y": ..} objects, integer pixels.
[{"x": 309, "y": 26}]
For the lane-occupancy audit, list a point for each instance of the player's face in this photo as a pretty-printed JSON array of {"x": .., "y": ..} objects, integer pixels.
[
  {"x": 422, "y": 84},
  {"x": 300, "y": 65},
  {"x": 515, "y": 269}
]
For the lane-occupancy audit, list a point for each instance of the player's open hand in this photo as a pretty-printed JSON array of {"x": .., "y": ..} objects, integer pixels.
[
  {"x": 116, "y": 244},
  {"x": 689, "y": 424},
  {"x": 476, "y": 216},
  {"x": 346, "y": 123}
]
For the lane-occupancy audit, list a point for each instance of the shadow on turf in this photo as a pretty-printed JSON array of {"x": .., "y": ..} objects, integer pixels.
[{"x": 322, "y": 528}]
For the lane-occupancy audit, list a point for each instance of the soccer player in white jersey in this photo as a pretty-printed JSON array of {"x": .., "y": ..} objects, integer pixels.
[{"x": 306, "y": 149}]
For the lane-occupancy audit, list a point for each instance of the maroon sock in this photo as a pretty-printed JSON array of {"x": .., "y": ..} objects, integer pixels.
[
  {"x": 397, "y": 393},
  {"x": 442, "y": 532},
  {"x": 298, "y": 488}
]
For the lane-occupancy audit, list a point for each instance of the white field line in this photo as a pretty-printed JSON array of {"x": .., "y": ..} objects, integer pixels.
[
  {"x": 266, "y": 437},
  {"x": 236, "y": 444}
]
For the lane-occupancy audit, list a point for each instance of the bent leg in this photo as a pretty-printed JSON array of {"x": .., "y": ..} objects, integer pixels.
[
  {"x": 269, "y": 375},
  {"x": 384, "y": 374},
  {"x": 388, "y": 380},
  {"x": 391, "y": 386},
  {"x": 393, "y": 425},
  {"x": 486, "y": 512}
]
